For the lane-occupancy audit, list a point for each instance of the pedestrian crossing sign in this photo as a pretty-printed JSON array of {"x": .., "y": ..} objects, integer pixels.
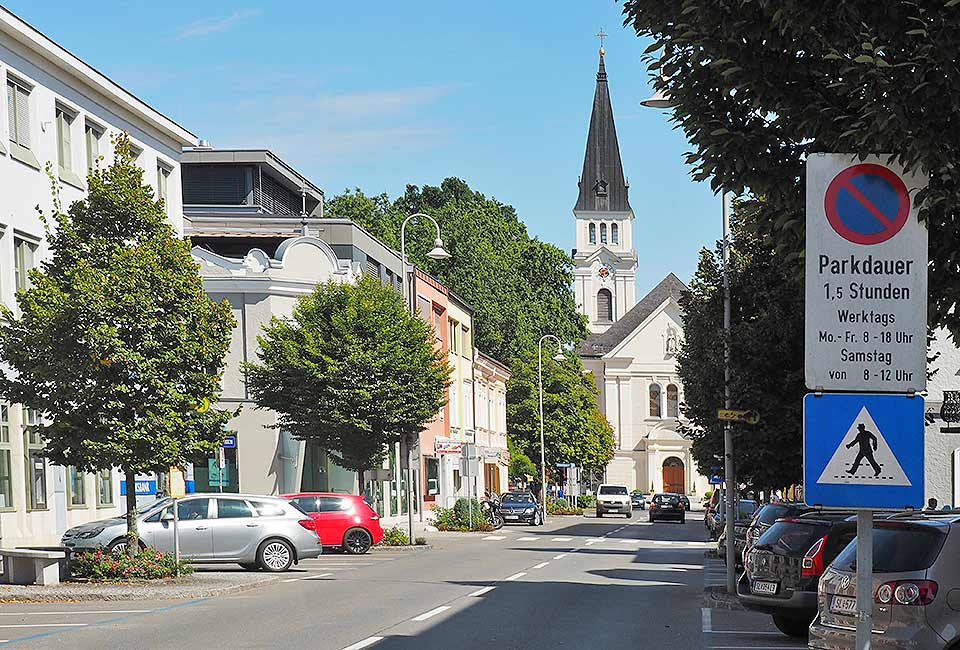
[{"x": 863, "y": 450}]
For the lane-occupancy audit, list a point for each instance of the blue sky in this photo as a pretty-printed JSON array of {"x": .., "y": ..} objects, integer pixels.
[{"x": 380, "y": 94}]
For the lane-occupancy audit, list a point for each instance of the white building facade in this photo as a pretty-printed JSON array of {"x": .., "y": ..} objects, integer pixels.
[{"x": 56, "y": 110}]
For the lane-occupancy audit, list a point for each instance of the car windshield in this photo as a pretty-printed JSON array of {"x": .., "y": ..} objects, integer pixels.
[
  {"x": 612, "y": 489},
  {"x": 897, "y": 547},
  {"x": 152, "y": 507},
  {"x": 517, "y": 497},
  {"x": 792, "y": 537}
]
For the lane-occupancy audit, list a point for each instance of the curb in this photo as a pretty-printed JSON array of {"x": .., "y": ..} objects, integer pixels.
[
  {"x": 144, "y": 593},
  {"x": 718, "y": 598},
  {"x": 406, "y": 547}
]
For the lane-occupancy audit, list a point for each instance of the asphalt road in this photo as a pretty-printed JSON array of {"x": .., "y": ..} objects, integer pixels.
[{"x": 575, "y": 583}]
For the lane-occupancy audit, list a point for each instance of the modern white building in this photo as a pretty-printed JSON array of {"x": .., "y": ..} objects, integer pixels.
[
  {"x": 59, "y": 111},
  {"x": 942, "y": 435}
]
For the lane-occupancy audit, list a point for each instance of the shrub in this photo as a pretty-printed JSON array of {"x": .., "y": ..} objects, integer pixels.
[
  {"x": 395, "y": 537},
  {"x": 562, "y": 507},
  {"x": 420, "y": 541},
  {"x": 708, "y": 494},
  {"x": 587, "y": 501},
  {"x": 457, "y": 518},
  {"x": 148, "y": 564}
]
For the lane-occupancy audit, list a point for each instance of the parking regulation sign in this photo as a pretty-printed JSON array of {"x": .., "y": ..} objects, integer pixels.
[
  {"x": 866, "y": 276},
  {"x": 863, "y": 450}
]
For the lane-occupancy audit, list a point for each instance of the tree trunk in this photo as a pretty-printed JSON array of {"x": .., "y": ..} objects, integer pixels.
[
  {"x": 133, "y": 539},
  {"x": 360, "y": 482}
]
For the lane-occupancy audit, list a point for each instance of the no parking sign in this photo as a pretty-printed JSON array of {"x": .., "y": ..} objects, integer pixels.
[{"x": 866, "y": 276}]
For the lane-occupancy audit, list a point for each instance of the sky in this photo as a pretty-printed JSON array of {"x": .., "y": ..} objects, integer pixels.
[{"x": 379, "y": 94}]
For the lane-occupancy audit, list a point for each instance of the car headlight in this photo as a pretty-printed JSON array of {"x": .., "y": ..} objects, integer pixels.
[
  {"x": 529, "y": 511},
  {"x": 90, "y": 533}
]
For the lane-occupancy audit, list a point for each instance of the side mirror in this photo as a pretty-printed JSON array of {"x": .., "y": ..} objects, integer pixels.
[{"x": 167, "y": 516}]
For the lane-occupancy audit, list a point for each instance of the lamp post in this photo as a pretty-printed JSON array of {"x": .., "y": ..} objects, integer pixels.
[
  {"x": 438, "y": 253},
  {"x": 662, "y": 99},
  {"x": 543, "y": 450}
]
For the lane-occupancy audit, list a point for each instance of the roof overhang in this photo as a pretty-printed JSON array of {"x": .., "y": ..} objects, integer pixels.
[{"x": 282, "y": 172}]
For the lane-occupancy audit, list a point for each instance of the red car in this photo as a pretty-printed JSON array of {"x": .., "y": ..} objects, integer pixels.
[{"x": 343, "y": 520}]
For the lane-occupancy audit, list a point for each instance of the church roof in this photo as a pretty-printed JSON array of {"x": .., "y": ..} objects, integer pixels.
[
  {"x": 602, "y": 186},
  {"x": 597, "y": 345}
]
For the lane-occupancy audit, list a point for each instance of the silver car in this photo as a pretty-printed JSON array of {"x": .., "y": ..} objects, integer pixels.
[
  {"x": 915, "y": 583},
  {"x": 256, "y": 532}
]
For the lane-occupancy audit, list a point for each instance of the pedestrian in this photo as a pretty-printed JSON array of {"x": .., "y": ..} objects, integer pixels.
[{"x": 931, "y": 504}]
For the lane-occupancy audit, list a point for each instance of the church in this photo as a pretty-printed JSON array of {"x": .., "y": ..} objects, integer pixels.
[{"x": 632, "y": 347}]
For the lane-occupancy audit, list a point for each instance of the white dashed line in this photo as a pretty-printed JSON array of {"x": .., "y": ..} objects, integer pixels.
[
  {"x": 494, "y": 537},
  {"x": 706, "y": 616},
  {"x": 526, "y": 539},
  {"x": 541, "y": 565},
  {"x": 560, "y": 557},
  {"x": 366, "y": 643},
  {"x": 595, "y": 539},
  {"x": 629, "y": 541},
  {"x": 433, "y": 612},
  {"x": 316, "y": 577},
  {"x": 48, "y": 625},
  {"x": 94, "y": 611},
  {"x": 480, "y": 592},
  {"x": 744, "y": 632},
  {"x": 515, "y": 576},
  {"x": 561, "y": 539}
]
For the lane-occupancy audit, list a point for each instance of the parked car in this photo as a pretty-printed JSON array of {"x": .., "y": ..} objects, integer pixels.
[
  {"x": 613, "y": 498},
  {"x": 521, "y": 506},
  {"x": 785, "y": 565},
  {"x": 638, "y": 500},
  {"x": 740, "y": 528},
  {"x": 767, "y": 514},
  {"x": 253, "y": 531},
  {"x": 343, "y": 520},
  {"x": 667, "y": 506},
  {"x": 916, "y": 574},
  {"x": 746, "y": 509}
]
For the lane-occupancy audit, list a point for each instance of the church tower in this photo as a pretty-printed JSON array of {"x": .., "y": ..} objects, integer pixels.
[{"x": 605, "y": 260}]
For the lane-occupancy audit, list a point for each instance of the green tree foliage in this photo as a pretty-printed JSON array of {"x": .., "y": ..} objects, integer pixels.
[
  {"x": 520, "y": 464},
  {"x": 115, "y": 342},
  {"x": 766, "y": 358},
  {"x": 761, "y": 84},
  {"x": 574, "y": 429},
  {"x": 352, "y": 370}
]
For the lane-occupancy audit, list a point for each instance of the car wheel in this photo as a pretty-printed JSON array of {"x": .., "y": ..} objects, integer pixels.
[
  {"x": 119, "y": 546},
  {"x": 275, "y": 555},
  {"x": 357, "y": 541},
  {"x": 799, "y": 628},
  {"x": 250, "y": 566}
]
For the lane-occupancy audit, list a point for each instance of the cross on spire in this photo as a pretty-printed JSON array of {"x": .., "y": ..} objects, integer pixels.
[{"x": 601, "y": 35}]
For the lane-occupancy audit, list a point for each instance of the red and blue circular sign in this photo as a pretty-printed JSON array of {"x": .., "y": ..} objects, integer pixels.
[{"x": 867, "y": 203}]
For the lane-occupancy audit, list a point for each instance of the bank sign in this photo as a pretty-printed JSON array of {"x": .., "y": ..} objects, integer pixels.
[{"x": 866, "y": 276}]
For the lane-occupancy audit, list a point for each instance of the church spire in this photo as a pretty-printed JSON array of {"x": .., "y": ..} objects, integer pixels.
[{"x": 602, "y": 186}]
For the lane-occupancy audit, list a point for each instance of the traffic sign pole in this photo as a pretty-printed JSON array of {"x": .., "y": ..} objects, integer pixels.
[
  {"x": 864, "y": 578},
  {"x": 732, "y": 494}
]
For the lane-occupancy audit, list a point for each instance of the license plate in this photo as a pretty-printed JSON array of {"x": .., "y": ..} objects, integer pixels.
[
  {"x": 760, "y": 587},
  {"x": 843, "y": 605},
  {"x": 511, "y": 517}
]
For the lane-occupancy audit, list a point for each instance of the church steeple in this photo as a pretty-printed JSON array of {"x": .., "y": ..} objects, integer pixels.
[{"x": 602, "y": 186}]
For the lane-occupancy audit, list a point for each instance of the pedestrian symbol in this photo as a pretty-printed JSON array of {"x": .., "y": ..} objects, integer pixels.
[
  {"x": 867, "y": 203},
  {"x": 864, "y": 457}
]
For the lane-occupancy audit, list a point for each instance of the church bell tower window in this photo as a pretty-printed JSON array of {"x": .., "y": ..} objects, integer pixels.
[
  {"x": 605, "y": 306},
  {"x": 615, "y": 233},
  {"x": 593, "y": 233},
  {"x": 603, "y": 233}
]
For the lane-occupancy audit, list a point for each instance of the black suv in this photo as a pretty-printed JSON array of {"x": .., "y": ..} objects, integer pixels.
[
  {"x": 768, "y": 514},
  {"x": 785, "y": 565}
]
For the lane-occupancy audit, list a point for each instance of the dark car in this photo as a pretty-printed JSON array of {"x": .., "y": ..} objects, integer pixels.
[
  {"x": 785, "y": 565},
  {"x": 638, "y": 500},
  {"x": 521, "y": 506},
  {"x": 768, "y": 514},
  {"x": 667, "y": 506},
  {"x": 740, "y": 527},
  {"x": 715, "y": 519}
]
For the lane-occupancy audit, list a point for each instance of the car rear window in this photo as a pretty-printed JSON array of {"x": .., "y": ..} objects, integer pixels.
[
  {"x": 896, "y": 548},
  {"x": 770, "y": 513},
  {"x": 792, "y": 537},
  {"x": 613, "y": 489},
  {"x": 669, "y": 499}
]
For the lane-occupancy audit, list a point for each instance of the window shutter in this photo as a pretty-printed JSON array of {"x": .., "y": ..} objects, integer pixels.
[
  {"x": 12, "y": 111},
  {"x": 604, "y": 305},
  {"x": 64, "y": 149},
  {"x": 23, "y": 117}
]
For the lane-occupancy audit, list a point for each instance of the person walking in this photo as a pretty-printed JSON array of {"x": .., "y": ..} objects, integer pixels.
[{"x": 868, "y": 444}]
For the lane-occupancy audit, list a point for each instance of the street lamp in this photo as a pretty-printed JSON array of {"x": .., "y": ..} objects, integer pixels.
[
  {"x": 543, "y": 453},
  {"x": 437, "y": 253},
  {"x": 662, "y": 99}
]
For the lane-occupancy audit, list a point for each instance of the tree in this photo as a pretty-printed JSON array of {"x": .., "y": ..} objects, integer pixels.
[
  {"x": 760, "y": 85},
  {"x": 116, "y": 342},
  {"x": 520, "y": 464},
  {"x": 766, "y": 358},
  {"x": 352, "y": 370},
  {"x": 574, "y": 429}
]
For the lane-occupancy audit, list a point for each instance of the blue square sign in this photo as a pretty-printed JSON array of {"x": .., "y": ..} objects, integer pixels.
[{"x": 863, "y": 451}]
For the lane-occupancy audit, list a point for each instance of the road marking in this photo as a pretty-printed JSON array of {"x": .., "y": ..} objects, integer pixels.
[
  {"x": 318, "y": 576},
  {"x": 753, "y": 647},
  {"x": 433, "y": 612},
  {"x": 494, "y": 537},
  {"x": 291, "y": 580},
  {"x": 47, "y": 625},
  {"x": 662, "y": 542},
  {"x": 561, "y": 539},
  {"x": 480, "y": 592},
  {"x": 744, "y": 632},
  {"x": 366, "y": 643},
  {"x": 595, "y": 539},
  {"x": 629, "y": 541},
  {"x": 707, "y": 617},
  {"x": 541, "y": 565},
  {"x": 515, "y": 576},
  {"x": 560, "y": 557},
  {"x": 102, "y": 611},
  {"x": 526, "y": 539}
]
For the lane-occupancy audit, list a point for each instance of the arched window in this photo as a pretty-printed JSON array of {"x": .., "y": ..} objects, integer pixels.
[
  {"x": 604, "y": 305},
  {"x": 655, "y": 411},
  {"x": 593, "y": 233},
  {"x": 673, "y": 401},
  {"x": 615, "y": 233},
  {"x": 603, "y": 233}
]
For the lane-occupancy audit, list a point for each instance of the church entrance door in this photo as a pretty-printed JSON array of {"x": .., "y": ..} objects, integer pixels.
[{"x": 673, "y": 477}]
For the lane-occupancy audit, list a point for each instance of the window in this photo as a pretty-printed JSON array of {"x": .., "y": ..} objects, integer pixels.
[
  {"x": 18, "y": 113},
  {"x": 163, "y": 179},
  {"x": 104, "y": 488},
  {"x": 64, "y": 139},
  {"x": 92, "y": 135},
  {"x": 307, "y": 504},
  {"x": 23, "y": 254},
  {"x": 425, "y": 308},
  {"x": 467, "y": 349},
  {"x": 603, "y": 233},
  {"x": 604, "y": 306},
  {"x": 593, "y": 233},
  {"x": 36, "y": 464},
  {"x": 615, "y": 233},
  {"x": 193, "y": 509},
  {"x": 673, "y": 401},
  {"x": 267, "y": 509},
  {"x": 454, "y": 337},
  {"x": 6, "y": 469},
  {"x": 334, "y": 504},
  {"x": 233, "y": 509},
  {"x": 76, "y": 486},
  {"x": 655, "y": 401}
]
